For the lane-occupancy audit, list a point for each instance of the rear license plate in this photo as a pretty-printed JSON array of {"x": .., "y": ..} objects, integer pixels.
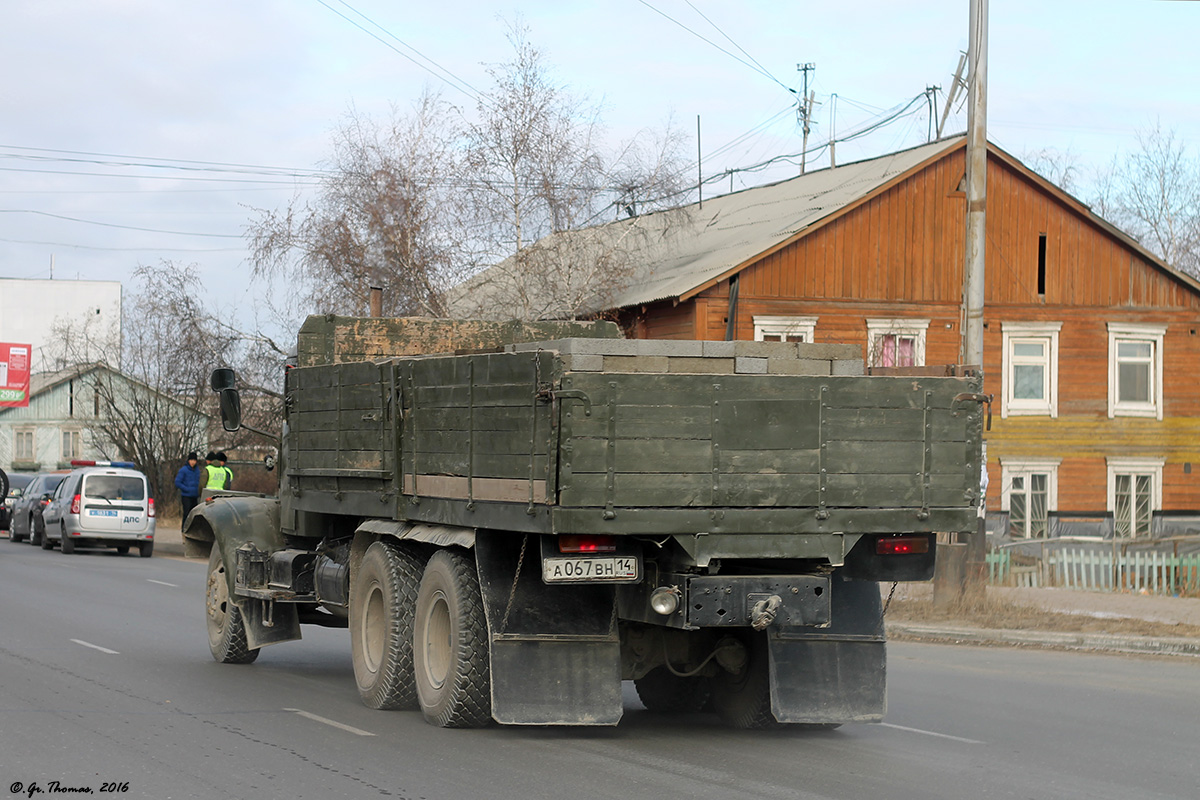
[
  {"x": 610, "y": 569},
  {"x": 101, "y": 512}
]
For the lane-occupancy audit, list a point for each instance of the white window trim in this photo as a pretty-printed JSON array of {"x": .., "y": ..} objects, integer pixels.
[
  {"x": 1030, "y": 330},
  {"x": 1127, "y": 330},
  {"x": 63, "y": 433},
  {"x": 1136, "y": 466},
  {"x": 32, "y": 431},
  {"x": 1025, "y": 467},
  {"x": 902, "y": 326},
  {"x": 784, "y": 326}
]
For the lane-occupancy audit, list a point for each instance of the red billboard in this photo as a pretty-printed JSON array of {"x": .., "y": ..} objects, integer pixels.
[{"x": 14, "y": 375}]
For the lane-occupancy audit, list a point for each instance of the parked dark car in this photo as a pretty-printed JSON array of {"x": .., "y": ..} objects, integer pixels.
[
  {"x": 26, "y": 522},
  {"x": 17, "y": 481}
]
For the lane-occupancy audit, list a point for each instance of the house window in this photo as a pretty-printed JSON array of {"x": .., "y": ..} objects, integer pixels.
[
  {"x": 896, "y": 342},
  {"x": 1030, "y": 493},
  {"x": 784, "y": 329},
  {"x": 1135, "y": 366},
  {"x": 23, "y": 445},
  {"x": 72, "y": 445},
  {"x": 1030, "y": 368},
  {"x": 1134, "y": 494}
]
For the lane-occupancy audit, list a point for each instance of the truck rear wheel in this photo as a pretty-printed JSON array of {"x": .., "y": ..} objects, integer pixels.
[
  {"x": 382, "y": 603},
  {"x": 451, "y": 645},
  {"x": 226, "y": 630},
  {"x": 743, "y": 700},
  {"x": 662, "y": 690}
]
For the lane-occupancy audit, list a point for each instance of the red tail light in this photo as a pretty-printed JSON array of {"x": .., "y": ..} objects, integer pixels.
[
  {"x": 152, "y": 507},
  {"x": 901, "y": 545},
  {"x": 75, "y": 504},
  {"x": 574, "y": 543}
]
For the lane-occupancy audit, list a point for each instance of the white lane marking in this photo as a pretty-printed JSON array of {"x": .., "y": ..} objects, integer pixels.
[
  {"x": 96, "y": 647},
  {"x": 162, "y": 583},
  {"x": 931, "y": 733},
  {"x": 315, "y": 718}
]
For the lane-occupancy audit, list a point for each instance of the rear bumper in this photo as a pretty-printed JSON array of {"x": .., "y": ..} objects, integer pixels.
[{"x": 108, "y": 536}]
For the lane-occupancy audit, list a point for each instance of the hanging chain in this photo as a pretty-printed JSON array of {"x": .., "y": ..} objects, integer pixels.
[
  {"x": 513, "y": 592},
  {"x": 889, "y": 600}
]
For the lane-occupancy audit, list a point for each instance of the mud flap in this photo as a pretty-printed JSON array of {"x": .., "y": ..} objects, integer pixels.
[
  {"x": 284, "y": 627},
  {"x": 555, "y": 654},
  {"x": 835, "y": 674}
]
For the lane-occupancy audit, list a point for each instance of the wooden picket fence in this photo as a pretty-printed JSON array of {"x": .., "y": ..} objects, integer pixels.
[{"x": 1096, "y": 569}]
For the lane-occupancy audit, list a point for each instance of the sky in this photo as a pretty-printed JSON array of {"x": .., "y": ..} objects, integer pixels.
[{"x": 137, "y": 131}]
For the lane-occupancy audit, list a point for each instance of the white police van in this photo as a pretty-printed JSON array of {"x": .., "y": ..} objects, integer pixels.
[{"x": 101, "y": 504}]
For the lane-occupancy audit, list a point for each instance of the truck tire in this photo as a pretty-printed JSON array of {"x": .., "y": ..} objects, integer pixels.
[
  {"x": 450, "y": 644},
  {"x": 661, "y": 690},
  {"x": 382, "y": 608},
  {"x": 744, "y": 700},
  {"x": 226, "y": 630}
]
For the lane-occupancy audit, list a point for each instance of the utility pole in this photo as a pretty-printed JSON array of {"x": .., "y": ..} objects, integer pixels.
[
  {"x": 955, "y": 85},
  {"x": 973, "y": 273},
  {"x": 972, "y": 333},
  {"x": 832, "y": 130},
  {"x": 931, "y": 93},
  {"x": 805, "y": 109},
  {"x": 699, "y": 166}
]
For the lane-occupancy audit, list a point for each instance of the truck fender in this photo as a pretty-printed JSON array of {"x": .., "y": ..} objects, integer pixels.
[
  {"x": 438, "y": 535},
  {"x": 228, "y": 522}
]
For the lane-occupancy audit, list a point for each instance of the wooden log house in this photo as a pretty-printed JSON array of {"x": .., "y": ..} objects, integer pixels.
[{"x": 1092, "y": 344}]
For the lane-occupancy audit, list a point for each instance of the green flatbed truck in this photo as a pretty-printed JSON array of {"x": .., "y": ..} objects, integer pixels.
[{"x": 512, "y": 527}]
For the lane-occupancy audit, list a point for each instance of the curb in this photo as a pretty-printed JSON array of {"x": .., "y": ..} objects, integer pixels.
[{"x": 1155, "y": 645}]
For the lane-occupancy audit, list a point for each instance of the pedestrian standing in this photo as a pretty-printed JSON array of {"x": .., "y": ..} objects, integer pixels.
[
  {"x": 228, "y": 472},
  {"x": 187, "y": 481},
  {"x": 212, "y": 476}
]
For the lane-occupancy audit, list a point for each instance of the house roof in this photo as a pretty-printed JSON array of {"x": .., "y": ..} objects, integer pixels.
[
  {"x": 43, "y": 381},
  {"x": 677, "y": 253}
]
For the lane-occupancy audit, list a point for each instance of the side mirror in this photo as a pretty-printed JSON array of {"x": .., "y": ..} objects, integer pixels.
[
  {"x": 224, "y": 382},
  {"x": 223, "y": 378}
]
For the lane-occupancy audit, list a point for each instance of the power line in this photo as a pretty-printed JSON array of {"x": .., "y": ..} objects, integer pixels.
[
  {"x": 130, "y": 249},
  {"x": 477, "y": 94},
  {"x": 469, "y": 91},
  {"x": 113, "y": 225},
  {"x": 740, "y": 60},
  {"x": 254, "y": 168},
  {"x": 151, "y": 177},
  {"x": 764, "y": 70}
]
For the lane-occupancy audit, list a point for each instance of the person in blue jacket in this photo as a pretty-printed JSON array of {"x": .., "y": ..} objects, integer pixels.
[{"x": 187, "y": 481}]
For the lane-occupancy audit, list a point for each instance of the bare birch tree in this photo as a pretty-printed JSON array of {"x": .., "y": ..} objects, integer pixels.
[
  {"x": 1153, "y": 193},
  {"x": 539, "y": 168},
  {"x": 381, "y": 218}
]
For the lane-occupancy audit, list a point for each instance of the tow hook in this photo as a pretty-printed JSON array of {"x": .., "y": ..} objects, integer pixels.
[{"x": 764, "y": 611}]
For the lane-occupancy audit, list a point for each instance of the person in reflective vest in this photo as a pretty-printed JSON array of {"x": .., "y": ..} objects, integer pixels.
[
  {"x": 228, "y": 472},
  {"x": 214, "y": 476}
]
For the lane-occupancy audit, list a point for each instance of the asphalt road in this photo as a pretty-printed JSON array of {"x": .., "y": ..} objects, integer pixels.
[{"x": 105, "y": 679}]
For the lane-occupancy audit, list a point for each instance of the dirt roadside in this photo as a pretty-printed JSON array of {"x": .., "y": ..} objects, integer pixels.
[{"x": 1052, "y": 610}]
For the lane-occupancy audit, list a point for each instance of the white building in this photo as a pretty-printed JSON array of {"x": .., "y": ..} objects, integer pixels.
[{"x": 31, "y": 311}]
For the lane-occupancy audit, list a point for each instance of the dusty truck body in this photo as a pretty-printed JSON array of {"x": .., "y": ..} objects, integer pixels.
[{"x": 510, "y": 534}]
